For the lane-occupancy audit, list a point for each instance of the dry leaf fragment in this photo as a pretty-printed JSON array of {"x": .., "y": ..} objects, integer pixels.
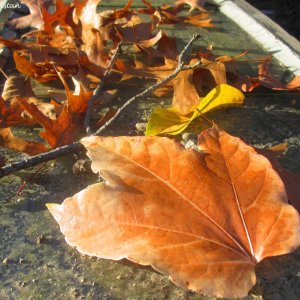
[
  {"x": 57, "y": 132},
  {"x": 11, "y": 114},
  {"x": 17, "y": 86},
  {"x": 58, "y": 18},
  {"x": 34, "y": 19},
  {"x": 266, "y": 79},
  {"x": 40, "y": 73},
  {"x": 194, "y": 4},
  {"x": 69, "y": 123},
  {"x": 8, "y": 140},
  {"x": 212, "y": 73},
  {"x": 199, "y": 20},
  {"x": 205, "y": 218},
  {"x": 185, "y": 97}
]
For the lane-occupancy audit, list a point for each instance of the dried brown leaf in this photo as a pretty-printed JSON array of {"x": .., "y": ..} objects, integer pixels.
[{"x": 205, "y": 218}]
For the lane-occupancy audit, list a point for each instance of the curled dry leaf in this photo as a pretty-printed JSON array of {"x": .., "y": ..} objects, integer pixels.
[
  {"x": 40, "y": 73},
  {"x": 266, "y": 79},
  {"x": 18, "y": 86},
  {"x": 194, "y": 4},
  {"x": 11, "y": 114},
  {"x": 138, "y": 32},
  {"x": 63, "y": 130},
  {"x": 212, "y": 73},
  {"x": 185, "y": 97},
  {"x": 57, "y": 132},
  {"x": 8, "y": 140},
  {"x": 58, "y": 17},
  {"x": 204, "y": 217}
]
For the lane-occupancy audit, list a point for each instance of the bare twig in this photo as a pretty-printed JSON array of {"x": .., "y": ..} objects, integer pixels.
[
  {"x": 30, "y": 178},
  {"x": 35, "y": 160},
  {"x": 98, "y": 90},
  {"x": 4, "y": 74},
  {"x": 180, "y": 67}
]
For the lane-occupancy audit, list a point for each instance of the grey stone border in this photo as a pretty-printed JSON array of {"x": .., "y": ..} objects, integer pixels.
[{"x": 284, "y": 47}]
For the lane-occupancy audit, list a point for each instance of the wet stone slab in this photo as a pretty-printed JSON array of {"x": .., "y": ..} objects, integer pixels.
[{"x": 35, "y": 261}]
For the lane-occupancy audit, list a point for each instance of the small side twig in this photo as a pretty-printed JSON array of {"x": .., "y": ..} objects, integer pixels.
[
  {"x": 98, "y": 90},
  {"x": 30, "y": 178},
  {"x": 35, "y": 160}
]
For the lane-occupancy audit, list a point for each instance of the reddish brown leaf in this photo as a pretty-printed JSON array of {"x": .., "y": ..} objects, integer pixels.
[
  {"x": 168, "y": 47},
  {"x": 185, "y": 97},
  {"x": 199, "y": 20},
  {"x": 59, "y": 17},
  {"x": 212, "y": 73},
  {"x": 138, "y": 32},
  {"x": 8, "y": 140},
  {"x": 121, "y": 13},
  {"x": 11, "y": 114},
  {"x": 57, "y": 132},
  {"x": 204, "y": 217},
  {"x": 41, "y": 74},
  {"x": 76, "y": 104},
  {"x": 266, "y": 79},
  {"x": 64, "y": 129},
  {"x": 11, "y": 44},
  {"x": 17, "y": 87}
]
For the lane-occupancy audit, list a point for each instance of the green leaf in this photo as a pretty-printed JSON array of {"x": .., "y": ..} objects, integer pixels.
[{"x": 169, "y": 121}]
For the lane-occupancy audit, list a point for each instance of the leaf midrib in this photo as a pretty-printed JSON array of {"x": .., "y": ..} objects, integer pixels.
[{"x": 246, "y": 254}]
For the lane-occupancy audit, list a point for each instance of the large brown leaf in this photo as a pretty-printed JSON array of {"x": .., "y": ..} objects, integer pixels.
[{"x": 203, "y": 217}]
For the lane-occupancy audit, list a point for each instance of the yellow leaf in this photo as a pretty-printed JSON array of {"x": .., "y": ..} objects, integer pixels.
[{"x": 169, "y": 120}]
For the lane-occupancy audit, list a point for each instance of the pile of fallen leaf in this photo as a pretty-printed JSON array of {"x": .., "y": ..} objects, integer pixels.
[
  {"x": 158, "y": 203},
  {"x": 75, "y": 41}
]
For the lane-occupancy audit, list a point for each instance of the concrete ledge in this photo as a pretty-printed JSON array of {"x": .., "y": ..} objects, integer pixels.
[{"x": 284, "y": 47}]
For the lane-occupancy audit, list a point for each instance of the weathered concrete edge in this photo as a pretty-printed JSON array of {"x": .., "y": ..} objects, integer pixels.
[{"x": 284, "y": 47}]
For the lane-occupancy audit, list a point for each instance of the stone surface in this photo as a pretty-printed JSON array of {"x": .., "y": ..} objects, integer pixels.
[{"x": 50, "y": 269}]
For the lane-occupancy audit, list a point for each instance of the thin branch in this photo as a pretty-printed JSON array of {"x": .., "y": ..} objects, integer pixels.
[
  {"x": 98, "y": 90},
  {"x": 180, "y": 67},
  {"x": 4, "y": 74},
  {"x": 35, "y": 160}
]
